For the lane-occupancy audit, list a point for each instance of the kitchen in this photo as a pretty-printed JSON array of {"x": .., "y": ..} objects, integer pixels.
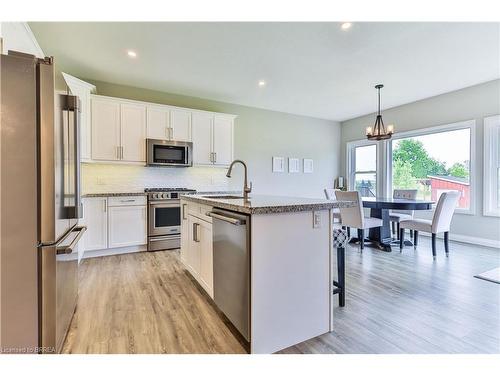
[{"x": 179, "y": 221}]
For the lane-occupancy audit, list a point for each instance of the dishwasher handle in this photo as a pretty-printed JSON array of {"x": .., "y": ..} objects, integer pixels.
[{"x": 228, "y": 219}]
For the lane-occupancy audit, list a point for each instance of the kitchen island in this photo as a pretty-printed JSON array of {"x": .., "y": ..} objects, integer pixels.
[{"x": 289, "y": 269}]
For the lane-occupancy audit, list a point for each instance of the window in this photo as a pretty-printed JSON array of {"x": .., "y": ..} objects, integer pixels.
[
  {"x": 363, "y": 173},
  {"x": 491, "y": 204},
  {"x": 434, "y": 161}
]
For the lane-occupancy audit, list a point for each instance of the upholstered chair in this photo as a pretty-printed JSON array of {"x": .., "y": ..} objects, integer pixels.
[
  {"x": 397, "y": 216},
  {"x": 440, "y": 222},
  {"x": 354, "y": 217}
]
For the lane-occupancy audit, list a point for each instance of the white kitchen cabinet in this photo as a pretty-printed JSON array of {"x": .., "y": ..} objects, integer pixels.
[
  {"x": 133, "y": 132},
  {"x": 119, "y": 128},
  {"x": 83, "y": 90},
  {"x": 180, "y": 125},
  {"x": 95, "y": 217},
  {"x": 212, "y": 139},
  {"x": 222, "y": 140},
  {"x": 206, "y": 271},
  {"x": 105, "y": 129},
  {"x": 184, "y": 231},
  {"x": 127, "y": 226},
  {"x": 202, "y": 138},
  {"x": 193, "y": 250},
  {"x": 197, "y": 250},
  {"x": 158, "y": 122}
]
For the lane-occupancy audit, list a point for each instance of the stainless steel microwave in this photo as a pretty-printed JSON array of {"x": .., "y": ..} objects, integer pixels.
[{"x": 161, "y": 153}]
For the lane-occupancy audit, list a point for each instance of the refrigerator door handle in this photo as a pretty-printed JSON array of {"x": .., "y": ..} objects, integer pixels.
[
  {"x": 73, "y": 105},
  {"x": 69, "y": 249}
]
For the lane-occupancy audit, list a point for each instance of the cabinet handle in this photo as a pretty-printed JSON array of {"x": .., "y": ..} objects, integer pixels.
[
  {"x": 127, "y": 200},
  {"x": 195, "y": 233},
  {"x": 121, "y": 153},
  {"x": 171, "y": 134},
  {"x": 105, "y": 205},
  {"x": 184, "y": 211},
  {"x": 215, "y": 157}
]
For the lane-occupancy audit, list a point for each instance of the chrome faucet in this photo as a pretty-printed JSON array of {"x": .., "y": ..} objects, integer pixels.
[{"x": 246, "y": 189}]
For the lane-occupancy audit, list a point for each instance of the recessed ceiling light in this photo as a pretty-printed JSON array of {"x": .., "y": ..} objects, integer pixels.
[
  {"x": 131, "y": 54},
  {"x": 262, "y": 83},
  {"x": 346, "y": 25}
]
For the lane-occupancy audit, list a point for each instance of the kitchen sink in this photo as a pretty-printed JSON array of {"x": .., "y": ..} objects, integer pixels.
[{"x": 222, "y": 196}]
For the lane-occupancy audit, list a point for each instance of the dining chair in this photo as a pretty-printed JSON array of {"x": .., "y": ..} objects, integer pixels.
[
  {"x": 330, "y": 194},
  {"x": 397, "y": 216},
  {"x": 440, "y": 222},
  {"x": 354, "y": 217}
]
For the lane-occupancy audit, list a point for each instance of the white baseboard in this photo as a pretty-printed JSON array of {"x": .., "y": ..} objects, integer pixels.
[
  {"x": 107, "y": 252},
  {"x": 468, "y": 239}
]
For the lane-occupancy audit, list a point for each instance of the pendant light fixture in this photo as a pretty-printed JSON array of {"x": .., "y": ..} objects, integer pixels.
[{"x": 379, "y": 132}]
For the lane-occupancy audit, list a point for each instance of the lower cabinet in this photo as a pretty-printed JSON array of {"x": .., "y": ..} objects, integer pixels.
[
  {"x": 95, "y": 217},
  {"x": 127, "y": 226},
  {"x": 197, "y": 250},
  {"x": 114, "y": 222}
]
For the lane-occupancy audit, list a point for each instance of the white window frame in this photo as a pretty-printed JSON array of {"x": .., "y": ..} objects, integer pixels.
[
  {"x": 350, "y": 158},
  {"x": 467, "y": 124},
  {"x": 490, "y": 161}
]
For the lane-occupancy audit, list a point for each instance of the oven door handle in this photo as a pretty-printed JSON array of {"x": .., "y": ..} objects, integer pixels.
[{"x": 167, "y": 203}]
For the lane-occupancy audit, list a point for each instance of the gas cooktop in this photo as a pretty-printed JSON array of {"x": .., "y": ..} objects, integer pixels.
[{"x": 153, "y": 190}]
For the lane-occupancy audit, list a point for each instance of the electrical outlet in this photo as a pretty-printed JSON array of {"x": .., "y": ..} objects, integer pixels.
[{"x": 316, "y": 219}]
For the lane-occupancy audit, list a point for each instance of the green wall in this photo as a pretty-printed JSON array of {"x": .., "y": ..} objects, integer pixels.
[{"x": 259, "y": 135}]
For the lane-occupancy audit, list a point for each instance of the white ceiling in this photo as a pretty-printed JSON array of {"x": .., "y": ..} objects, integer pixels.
[{"x": 313, "y": 69}]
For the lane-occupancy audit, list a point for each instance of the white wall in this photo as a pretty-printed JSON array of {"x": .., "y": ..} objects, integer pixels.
[
  {"x": 472, "y": 103},
  {"x": 17, "y": 36}
]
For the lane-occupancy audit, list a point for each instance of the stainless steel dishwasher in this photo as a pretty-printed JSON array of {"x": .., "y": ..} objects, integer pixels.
[{"x": 231, "y": 249}]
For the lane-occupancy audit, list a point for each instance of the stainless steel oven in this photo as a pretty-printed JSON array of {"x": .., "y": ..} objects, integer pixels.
[
  {"x": 161, "y": 153},
  {"x": 164, "y": 218}
]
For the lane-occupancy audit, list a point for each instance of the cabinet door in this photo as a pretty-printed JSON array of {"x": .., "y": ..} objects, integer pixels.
[
  {"x": 202, "y": 138},
  {"x": 184, "y": 232},
  {"x": 180, "y": 122},
  {"x": 223, "y": 140},
  {"x": 193, "y": 254},
  {"x": 133, "y": 132},
  {"x": 95, "y": 217},
  {"x": 127, "y": 226},
  {"x": 158, "y": 123},
  {"x": 206, "y": 273},
  {"x": 105, "y": 129}
]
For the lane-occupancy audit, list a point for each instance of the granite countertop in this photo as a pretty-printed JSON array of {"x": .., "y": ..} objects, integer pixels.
[
  {"x": 268, "y": 204},
  {"x": 96, "y": 195}
]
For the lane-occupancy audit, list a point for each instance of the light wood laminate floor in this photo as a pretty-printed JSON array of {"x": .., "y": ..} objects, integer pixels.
[{"x": 395, "y": 303}]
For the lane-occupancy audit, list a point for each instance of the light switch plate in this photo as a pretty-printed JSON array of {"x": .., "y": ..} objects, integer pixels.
[
  {"x": 308, "y": 166},
  {"x": 293, "y": 165},
  {"x": 278, "y": 164}
]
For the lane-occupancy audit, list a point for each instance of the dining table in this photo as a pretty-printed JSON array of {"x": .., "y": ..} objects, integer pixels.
[{"x": 380, "y": 237}]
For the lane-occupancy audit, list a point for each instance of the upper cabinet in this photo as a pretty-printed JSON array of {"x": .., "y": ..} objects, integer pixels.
[
  {"x": 159, "y": 122},
  {"x": 202, "y": 138},
  {"x": 133, "y": 132},
  {"x": 83, "y": 90},
  {"x": 223, "y": 140},
  {"x": 180, "y": 125},
  {"x": 119, "y": 128},
  {"x": 105, "y": 129},
  {"x": 212, "y": 139}
]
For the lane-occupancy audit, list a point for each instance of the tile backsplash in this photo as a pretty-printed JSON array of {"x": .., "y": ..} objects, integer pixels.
[{"x": 116, "y": 178}]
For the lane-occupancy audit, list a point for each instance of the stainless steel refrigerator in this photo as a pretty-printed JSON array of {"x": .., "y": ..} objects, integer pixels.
[{"x": 40, "y": 206}]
